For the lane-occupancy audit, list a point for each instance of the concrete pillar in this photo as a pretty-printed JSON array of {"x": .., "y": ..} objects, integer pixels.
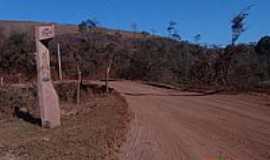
[{"x": 47, "y": 96}]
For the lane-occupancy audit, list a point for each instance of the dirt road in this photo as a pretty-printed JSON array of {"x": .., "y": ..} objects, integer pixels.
[{"x": 172, "y": 125}]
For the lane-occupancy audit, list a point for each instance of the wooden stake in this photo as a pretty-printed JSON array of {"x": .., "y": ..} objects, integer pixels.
[
  {"x": 59, "y": 62},
  {"x": 79, "y": 85},
  {"x": 2, "y": 81},
  {"x": 107, "y": 77}
]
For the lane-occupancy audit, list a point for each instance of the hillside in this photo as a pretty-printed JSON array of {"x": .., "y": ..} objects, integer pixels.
[
  {"x": 10, "y": 26},
  {"x": 27, "y": 27},
  {"x": 135, "y": 56}
]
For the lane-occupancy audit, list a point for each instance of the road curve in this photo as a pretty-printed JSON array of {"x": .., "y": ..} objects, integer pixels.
[{"x": 172, "y": 125}]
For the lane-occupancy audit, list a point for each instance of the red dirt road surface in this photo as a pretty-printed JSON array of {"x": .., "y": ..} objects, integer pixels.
[{"x": 174, "y": 125}]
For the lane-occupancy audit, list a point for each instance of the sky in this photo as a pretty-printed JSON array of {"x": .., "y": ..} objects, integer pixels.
[{"x": 210, "y": 18}]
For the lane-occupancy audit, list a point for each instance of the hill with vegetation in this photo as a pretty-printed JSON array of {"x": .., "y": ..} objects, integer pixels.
[{"x": 135, "y": 56}]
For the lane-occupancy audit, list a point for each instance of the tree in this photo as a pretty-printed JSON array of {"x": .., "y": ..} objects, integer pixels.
[
  {"x": 197, "y": 38},
  {"x": 18, "y": 54},
  {"x": 2, "y": 37},
  {"x": 153, "y": 31},
  {"x": 145, "y": 33},
  {"x": 238, "y": 24},
  {"x": 224, "y": 63},
  {"x": 87, "y": 25},
  {"x": 171, "y": 27},
  {"x": 263, "y": 53},
  {"x": 263, "y": 46},
  {"x": 172, "y": 31},
  {"x": 134, "y": 27},
  {"x": 112, "y": 48}
]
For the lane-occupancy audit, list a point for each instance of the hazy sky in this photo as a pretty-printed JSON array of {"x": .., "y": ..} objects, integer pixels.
[{"x": 210, "y": 18}]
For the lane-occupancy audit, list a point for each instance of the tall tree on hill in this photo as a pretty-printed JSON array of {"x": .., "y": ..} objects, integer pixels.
[
  {"x": 224, "y": 63},
  {"x": 172, "y": 31},
  {"x": 153, "y": 31},
  {"x": 197, "y": 38},
  {"x": 87, "y": 25},
  {"x": 238, "y": 23},
  {"x": 134, "y": 28}
]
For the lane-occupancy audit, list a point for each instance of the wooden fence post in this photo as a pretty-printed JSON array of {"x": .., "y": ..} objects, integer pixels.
[
  {"x": 107, "y": 78},
  {"x": 79, "y": 81},
  {"x": 2, "y": 81},
  {"x": 59, "y": 62}
]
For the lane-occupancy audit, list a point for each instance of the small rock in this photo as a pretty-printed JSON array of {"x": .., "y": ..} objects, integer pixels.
[{"x": 46, "y": 139}]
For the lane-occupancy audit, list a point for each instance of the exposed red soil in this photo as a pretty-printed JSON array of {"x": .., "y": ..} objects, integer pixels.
[{"x": 179, "y": 125}]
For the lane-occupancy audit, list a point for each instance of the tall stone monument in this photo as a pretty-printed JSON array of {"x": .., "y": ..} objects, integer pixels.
[{"x": 47, "y": 96}]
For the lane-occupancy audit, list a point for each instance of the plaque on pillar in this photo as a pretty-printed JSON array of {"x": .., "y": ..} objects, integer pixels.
[{"x": 47, "y": 96}]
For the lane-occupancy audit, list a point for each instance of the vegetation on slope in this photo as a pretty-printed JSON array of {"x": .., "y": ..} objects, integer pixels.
[{"x": 142, "y": 57}]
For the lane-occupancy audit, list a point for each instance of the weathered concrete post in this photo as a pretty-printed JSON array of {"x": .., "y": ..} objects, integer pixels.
[{"x": 47, "y": 96}]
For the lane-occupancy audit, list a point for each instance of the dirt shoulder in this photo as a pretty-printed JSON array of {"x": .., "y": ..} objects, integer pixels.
[{"x": 93, "y": 130}]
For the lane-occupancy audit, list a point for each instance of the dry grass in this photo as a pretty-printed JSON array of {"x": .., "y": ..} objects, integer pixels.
[{"x": 93, "y": 130}]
